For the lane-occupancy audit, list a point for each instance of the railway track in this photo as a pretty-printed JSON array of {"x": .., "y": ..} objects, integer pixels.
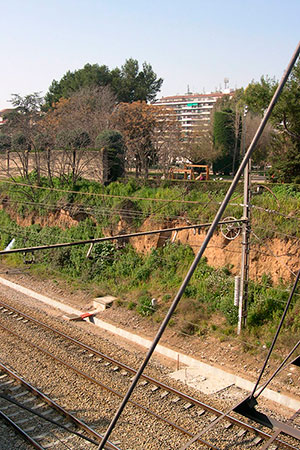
[
  {"x": 39, "y": 419},
  {"x": 154, "y": 400}
]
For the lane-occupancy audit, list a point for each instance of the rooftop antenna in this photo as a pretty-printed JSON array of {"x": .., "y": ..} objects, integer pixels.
[{"x": 188, "y": 89}]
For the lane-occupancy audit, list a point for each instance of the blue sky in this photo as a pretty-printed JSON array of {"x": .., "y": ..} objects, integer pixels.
[{"x": 193, "y": 42}]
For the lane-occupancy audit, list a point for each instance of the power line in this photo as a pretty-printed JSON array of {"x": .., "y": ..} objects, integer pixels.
[
  {"x": 273, "y": 211},
  {"x": 111, "y": 238},
  {"x": 290, "y": 236},
  {"x": 99, "y": 195}
]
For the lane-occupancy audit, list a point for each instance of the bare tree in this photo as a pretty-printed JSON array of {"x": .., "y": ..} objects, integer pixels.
[
  {"x": 86, "y": 112},
  {"x": 136, "y": 121},
  {"x": 22, "y": 125},
  {"x": 167, "y": 137},
  {"x": 88, "y": 109},
  {"x": 198, "y": 146}
]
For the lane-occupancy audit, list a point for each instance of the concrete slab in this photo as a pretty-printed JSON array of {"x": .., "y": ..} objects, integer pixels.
[
  {"x": 198, "y": 379},
  {"x": 102, "y": 303}
]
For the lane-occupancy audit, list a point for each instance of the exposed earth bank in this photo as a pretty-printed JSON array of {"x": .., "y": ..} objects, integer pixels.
[{"x": 278, "y": 258}]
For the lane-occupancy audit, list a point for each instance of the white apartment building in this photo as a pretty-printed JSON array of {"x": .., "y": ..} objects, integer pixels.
[{"x": 191, "y": 110}]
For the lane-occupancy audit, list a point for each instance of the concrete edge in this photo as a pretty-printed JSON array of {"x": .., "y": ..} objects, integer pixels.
[{"x": 208, "y": 370}]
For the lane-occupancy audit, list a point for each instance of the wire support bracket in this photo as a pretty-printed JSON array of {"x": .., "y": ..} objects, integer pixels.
[{"x": 247, "y": 409}]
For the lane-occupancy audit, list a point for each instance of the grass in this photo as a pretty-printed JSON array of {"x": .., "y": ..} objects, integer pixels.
[
  {"x": 207, "y": 303},
  {"x": 273, "y": 212}
]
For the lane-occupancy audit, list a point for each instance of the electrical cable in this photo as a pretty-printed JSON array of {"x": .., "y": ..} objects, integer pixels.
[
  {"x": 281, "y": 367},
  {"x": 276, "y": 334}
]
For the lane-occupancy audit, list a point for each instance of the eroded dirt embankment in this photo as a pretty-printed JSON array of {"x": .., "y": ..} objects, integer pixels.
[{"x": 277, "y": 257}]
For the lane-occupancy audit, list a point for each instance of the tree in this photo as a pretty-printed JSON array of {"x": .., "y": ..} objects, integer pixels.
[
  {"x": 89, "y": 109},
  {"x": 22, "y": 124},
  {"x": 44, "y": 142},
  {"x": 233, "y": 105},
  {"x": 129, "y": 83},
  {"x": 71, "y": 82},
  {"x": 5, "y": 142},
  {"x": 5, "y": 145},
  {"x": 287, "y": 111},
  {"x": 198, "y": 146},
  {"x": 285, "y": 119},
  {"x": 286, "y": 167},
  {"x": 245, "y": 120},
  {"x": 112, "y": 144},
  {"x": 224, "y": 141},
  {"x": 136, "y": 121},
  {"x": 263, "y": 149},
  {"x": 167, "y": 137},
  {"x": 21, "y": 148},
  {"x": 73, "y": 142},
  {"x": 258, "y": 95}
]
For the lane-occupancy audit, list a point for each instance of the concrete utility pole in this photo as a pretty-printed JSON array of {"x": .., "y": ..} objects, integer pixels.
[
  {"x": 198, "y": 257},
  {"x": 243, "y": 300}
]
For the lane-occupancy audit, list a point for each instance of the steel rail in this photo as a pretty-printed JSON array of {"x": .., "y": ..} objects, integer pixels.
[
  {"x": 151, "y": 380},
  {"x": 79, "y": 423},
  {"x": 203, "y": 247},
  {"x": 251, "y": 400},
  {"x": 113, "y": 391},
  {"x": 281, "y": 366},
  {"x": 277, "y": 432},
  {"x": 47, "y": 419},
  {"x": 112, "y": 238},
  {"x": 21, "y": 432}
]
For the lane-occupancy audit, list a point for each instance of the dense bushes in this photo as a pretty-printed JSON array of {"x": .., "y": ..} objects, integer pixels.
[
  {"x": 136, "y": 278},
  {"x": 273, "y": 210}
]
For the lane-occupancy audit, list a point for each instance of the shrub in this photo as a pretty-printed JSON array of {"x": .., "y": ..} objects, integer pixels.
[{"x": 144, "y": 306}]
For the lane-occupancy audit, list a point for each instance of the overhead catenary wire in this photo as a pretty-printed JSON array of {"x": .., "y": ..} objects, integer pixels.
[
  {"x": 281, "y": 366},
  {"x": 276, "y": 334},
  {"x": 134, "y": 198},
  {"x": 111, "y": 238},
  {"x": 123, "y": 197},
  {"x": 275, "y": 256},
  {"x": 273, "y": 230},
  {"x": 274, "y": 211},
  {"x": 202, "y": 249}
]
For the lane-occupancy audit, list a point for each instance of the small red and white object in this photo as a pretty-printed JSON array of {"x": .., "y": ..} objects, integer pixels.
[{"x": 79, "y": 317}]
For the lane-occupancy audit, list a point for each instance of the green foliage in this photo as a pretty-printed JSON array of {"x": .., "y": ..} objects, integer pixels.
[
  {"x": 144, "y": 306},
  {"x": 121, "y": 271},
  {"x": 287, "y": 169},
  {"x": 112, "y": 143},
  {"x": 224, "y": 139},
  {"x": 73, "y": 139},
  {"x": 266, "y": 303},
  {"x": 258, "y": 95},
  {"x": 104, "y": 254},
  {"x": 129, "y": 83},
  {"x": 133, "y": 84},
  {"x": 89, "y": 75},
  {"x": 19, "y": 142},
  {"x": 285, "y": 118},
  {"x": 5, "y": 142}
]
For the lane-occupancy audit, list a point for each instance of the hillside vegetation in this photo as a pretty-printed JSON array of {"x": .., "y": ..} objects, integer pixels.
[{"x": 207, "y": 305}]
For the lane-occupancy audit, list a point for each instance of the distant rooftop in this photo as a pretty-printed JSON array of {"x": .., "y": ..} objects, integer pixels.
[{"x": 196, "y": 97}]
